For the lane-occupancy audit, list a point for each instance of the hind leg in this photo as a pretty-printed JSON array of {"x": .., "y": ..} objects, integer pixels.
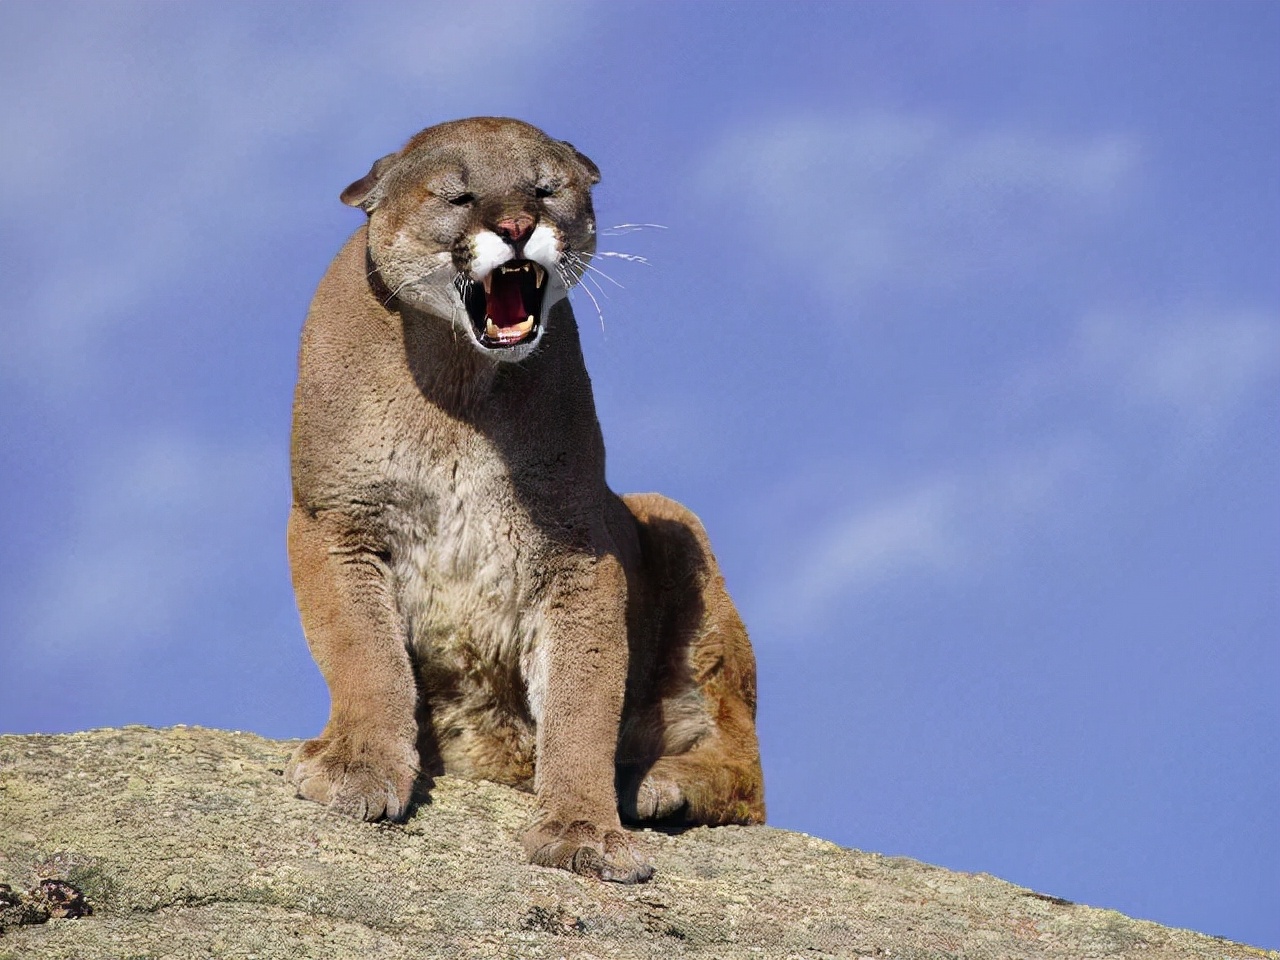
[
  {"x": 717, "y": 782},
  {"x": 689, "y": 752}
]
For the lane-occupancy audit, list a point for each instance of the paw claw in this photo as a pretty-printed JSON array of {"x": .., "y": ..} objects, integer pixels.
[
  {"x": 659, "y": 798},
  {"x": 354, "y": 783},
  {"x": 638, "y": 874},
  {"x": 585, "y": 849}
]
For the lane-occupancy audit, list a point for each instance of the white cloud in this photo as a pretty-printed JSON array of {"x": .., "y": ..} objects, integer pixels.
[
  {"x": 222, "y": 90},
  {"x": 1127, "y": 380},
  {"x": 876, "y": 199},
  {"x": 915, "y": 530},
  {"x": 140, "y": 139},
  {"x": 1183, "y": 373},
  {"x": 1197, "y": 366},
  {"x": 161, "y": 534},
  {"x": 952, "y": 524}
]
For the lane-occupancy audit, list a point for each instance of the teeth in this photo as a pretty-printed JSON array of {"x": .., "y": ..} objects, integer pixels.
[
  {"x": 527, "y": 266},
  {"x": 504, "y": 334}
]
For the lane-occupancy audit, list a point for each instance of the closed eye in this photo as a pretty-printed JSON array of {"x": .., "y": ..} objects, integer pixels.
[{"x": 462, "y": 199}]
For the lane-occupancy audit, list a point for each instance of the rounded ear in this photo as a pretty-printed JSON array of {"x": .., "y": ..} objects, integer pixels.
[
  {"x": 364, "y": 192},
  {"x": 593, "y": 172}
]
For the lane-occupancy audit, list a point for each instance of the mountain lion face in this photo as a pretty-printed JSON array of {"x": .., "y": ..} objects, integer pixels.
[{"x": 485, "y": 223}]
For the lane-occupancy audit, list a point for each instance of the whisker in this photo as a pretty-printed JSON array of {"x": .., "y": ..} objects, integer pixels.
[
  {"x": 414, "y": 281},
  {"x": 618, "y": 229},
  {"x": 591, "y": 266},
  {"x": 599, "y": 313},
  {"x": 392, "y": 295},
  {"x": 436, "y": 269},
  {"x": 567, "y": 278},
  {"x": 586, "y": 277},
  {"x": 581, "y": 265},
  {"x": 629, "y": 257},
  {"x": 570, "y": 264}
]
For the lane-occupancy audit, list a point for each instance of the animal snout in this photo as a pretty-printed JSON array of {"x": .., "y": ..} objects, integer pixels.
[{"x": 515, "y": 228}]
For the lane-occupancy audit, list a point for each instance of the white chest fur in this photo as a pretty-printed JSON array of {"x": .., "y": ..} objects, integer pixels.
[{"x": 465, "y": 559}]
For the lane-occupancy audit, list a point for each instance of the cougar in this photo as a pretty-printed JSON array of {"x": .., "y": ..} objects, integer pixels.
[{"x": 479, "y": 601}]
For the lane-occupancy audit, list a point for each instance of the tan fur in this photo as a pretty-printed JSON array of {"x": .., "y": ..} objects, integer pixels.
[{"x": 476, "y": 597}]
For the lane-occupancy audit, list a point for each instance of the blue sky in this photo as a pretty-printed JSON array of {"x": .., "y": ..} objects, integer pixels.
[{"x": 962, "y": 336}]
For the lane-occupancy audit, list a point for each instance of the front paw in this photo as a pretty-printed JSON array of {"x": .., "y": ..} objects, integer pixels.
[
  {"x": 582, "y": 847},
  {"x": 659, "y": 797},
  {"x": 359, "y": 780}
]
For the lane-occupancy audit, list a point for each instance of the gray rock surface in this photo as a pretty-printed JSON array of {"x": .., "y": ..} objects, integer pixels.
[{"x": 187, "y": 843}]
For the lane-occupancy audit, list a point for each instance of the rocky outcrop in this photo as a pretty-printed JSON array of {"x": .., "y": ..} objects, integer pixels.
[{"x": 187, "y": 843}]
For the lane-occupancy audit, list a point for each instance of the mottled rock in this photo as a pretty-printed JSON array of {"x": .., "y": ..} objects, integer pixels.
[{"x": 188, "y": 843}]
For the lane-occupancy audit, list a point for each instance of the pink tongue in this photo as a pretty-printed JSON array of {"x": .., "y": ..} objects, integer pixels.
[{"x": 505, "y": 306}]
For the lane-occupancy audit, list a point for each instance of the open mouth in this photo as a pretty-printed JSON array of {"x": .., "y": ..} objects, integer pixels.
[{"x": 506, "y": 307}]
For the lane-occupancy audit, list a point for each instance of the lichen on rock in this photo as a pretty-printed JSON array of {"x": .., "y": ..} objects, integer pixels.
[{"x": 187, "y": 842}]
